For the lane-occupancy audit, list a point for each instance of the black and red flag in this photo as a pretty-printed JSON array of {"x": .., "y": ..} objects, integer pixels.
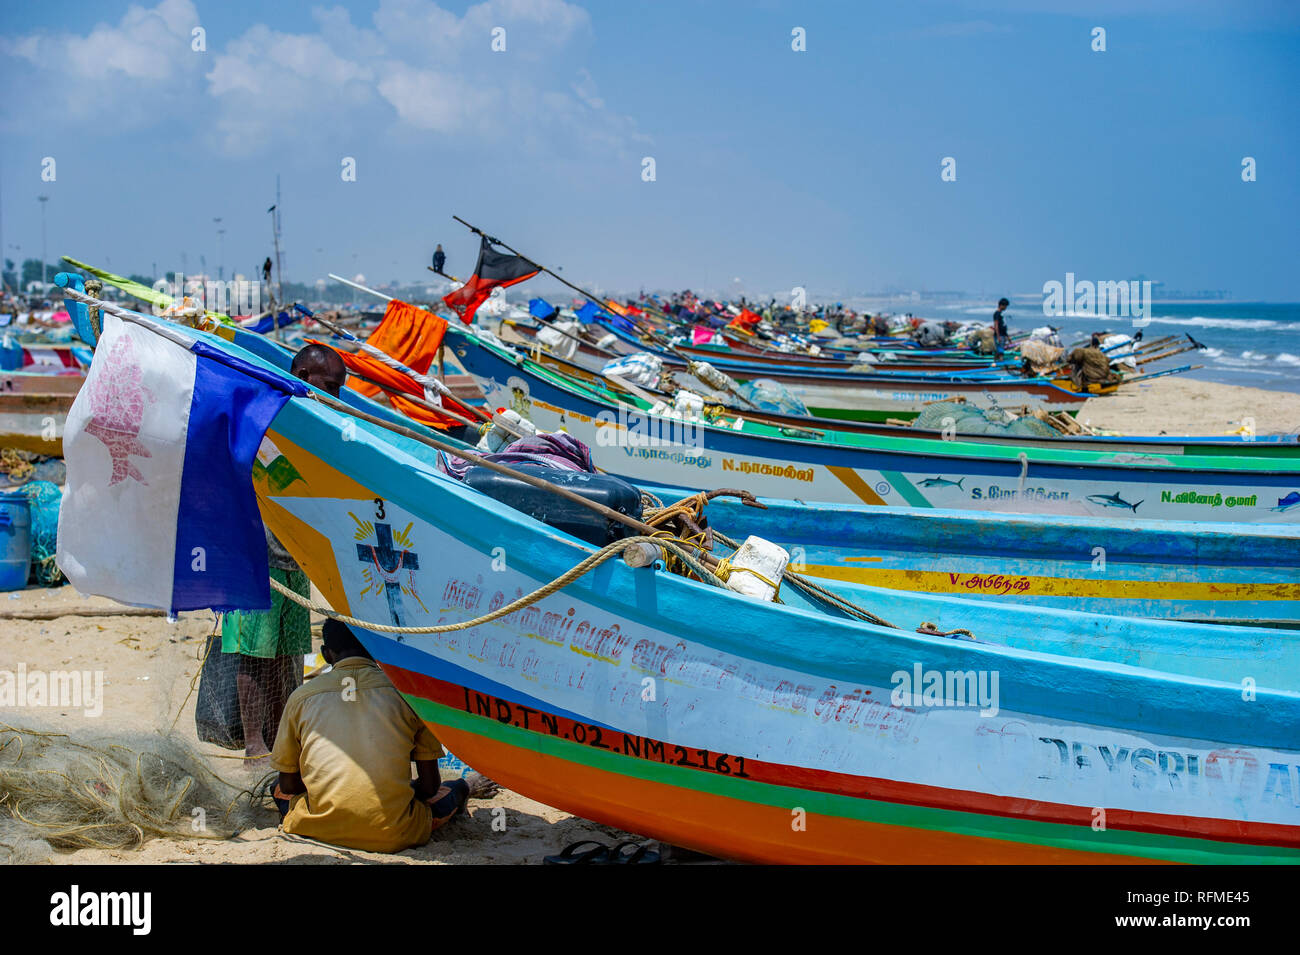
[{"x": 494, "y": 270}]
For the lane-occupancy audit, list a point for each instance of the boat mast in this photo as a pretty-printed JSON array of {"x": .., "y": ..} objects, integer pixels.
[{"x": 279, "y": 267}]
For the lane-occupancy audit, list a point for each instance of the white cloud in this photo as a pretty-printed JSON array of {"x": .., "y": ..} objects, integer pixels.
[
  {"x": 121, "y": 73},
  {"x": 437, "y": 101},
  {"x": 415, "y": 66}
]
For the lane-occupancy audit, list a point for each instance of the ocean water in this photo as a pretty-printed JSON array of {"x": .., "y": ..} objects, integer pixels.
[{"x": 1246, "y": 343}]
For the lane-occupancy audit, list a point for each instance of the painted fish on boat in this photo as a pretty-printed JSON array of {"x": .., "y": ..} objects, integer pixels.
[
  {"x": 1113, "y": 500},
  {"x": 1288, "y": 502},
  {"x": 940, "y": 482}
]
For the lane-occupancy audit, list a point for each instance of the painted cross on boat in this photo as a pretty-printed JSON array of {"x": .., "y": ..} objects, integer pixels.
[{"x": 390, "y": 563}]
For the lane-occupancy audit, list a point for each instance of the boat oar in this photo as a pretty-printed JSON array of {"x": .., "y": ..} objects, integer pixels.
[
  {"x": 436, "y": 409},
  {"x": 1166, "y": 354},
  {"x": 1161, "y": 374}
]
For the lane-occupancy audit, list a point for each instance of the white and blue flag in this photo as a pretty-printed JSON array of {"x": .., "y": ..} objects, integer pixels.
[{"x": 159, "y": 509}]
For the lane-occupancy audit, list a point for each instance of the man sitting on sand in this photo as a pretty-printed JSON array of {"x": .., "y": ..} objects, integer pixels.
[
  {"x": 1090, "y": 366},
  {"x": 344, "y": 753},
  {"x": 320, "y": 366}
]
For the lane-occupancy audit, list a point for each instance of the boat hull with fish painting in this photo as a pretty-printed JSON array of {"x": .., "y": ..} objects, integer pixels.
[
  {"x": 849, "y": 468},
  {"x": 1218, "y": 573},
  {"x": 684, "y": 712},
  {"x": 785, "y": 732}
]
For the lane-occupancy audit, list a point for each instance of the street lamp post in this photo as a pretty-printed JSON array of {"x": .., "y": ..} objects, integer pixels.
[
  {"x": 221, "y": 268},
  {"x": 43, "y": 200}
]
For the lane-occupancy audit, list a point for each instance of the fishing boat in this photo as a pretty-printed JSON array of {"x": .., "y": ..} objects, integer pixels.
[
  {"x": 595, "y": 355},
  {"x": 765, "y": 732},
  {"x": 33, "y": 421},
  {"x": 1232, "y": 445},
  {"x": 1220, "y": 573},
  {"x": 38, "y": 383},
  {"x": 1197, "y": 571},
  {"x": 847, "y": 468},
  {"x": 877, "y": 396}
]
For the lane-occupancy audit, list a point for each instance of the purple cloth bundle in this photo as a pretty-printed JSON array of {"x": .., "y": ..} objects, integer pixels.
[{"x": 555, "y": 450}]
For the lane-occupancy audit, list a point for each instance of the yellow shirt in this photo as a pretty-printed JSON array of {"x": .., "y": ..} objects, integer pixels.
[{"x": 352, "y": 737}]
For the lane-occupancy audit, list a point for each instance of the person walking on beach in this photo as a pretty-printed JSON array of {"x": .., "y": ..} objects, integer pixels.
[
  {"x": 1001, "y": 338},
  {"x": 439, "y": 259},
  {"x": 344, "y": 752}
]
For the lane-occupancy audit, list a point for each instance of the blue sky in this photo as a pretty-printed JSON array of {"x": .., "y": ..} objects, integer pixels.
[{"x": 778, "y": 168}]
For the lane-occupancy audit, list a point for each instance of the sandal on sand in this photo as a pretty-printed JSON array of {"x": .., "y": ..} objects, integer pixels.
[
  {"x": 597, "y": 855},
  {"x": 639, "y": 856}
]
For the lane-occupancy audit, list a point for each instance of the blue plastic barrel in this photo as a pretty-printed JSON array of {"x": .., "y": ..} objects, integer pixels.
[
  {"x": 11, "y": 354},
  {"x": 15, "y": 540}
]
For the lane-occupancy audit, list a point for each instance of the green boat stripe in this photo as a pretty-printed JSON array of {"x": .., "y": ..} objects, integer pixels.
[
  {"x": 1049, "y": 834},
  {"x": 905, "y": 487},
  {"x": 1174, "y": 465}
]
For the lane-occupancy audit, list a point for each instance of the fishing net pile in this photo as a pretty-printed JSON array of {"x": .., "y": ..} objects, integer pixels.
[
  {"x": 44, "y": 497},
  {"x": 769, "y": 395},
  {"x": 64, "y": 792},
  {"x": 968, "y": 419}
]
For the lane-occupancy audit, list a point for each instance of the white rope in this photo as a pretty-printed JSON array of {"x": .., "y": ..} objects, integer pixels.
[
  {"x": 128, "y": 316},
  {"x": 430, "y": 384}
]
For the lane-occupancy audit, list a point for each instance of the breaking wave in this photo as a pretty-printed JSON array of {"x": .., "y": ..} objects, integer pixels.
[{"x": 1200, "y": 321}]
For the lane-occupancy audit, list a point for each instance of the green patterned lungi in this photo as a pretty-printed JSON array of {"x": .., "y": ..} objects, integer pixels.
[{"x": 284, "y": 630}]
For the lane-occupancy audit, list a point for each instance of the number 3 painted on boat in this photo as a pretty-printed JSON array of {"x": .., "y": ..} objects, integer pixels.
[{"x": 379, "y": 508}]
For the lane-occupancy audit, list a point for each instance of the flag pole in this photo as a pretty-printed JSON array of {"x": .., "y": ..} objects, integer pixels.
[
  {"x": 691, "y": 364},
  {"x": 541, "y": 268},
  {"x": 595, "y": 299}
]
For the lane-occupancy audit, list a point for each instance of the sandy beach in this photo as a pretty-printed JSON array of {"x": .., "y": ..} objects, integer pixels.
[
  {"x": 149, "y": 665},
  {"x": 1185, "y": 406}
]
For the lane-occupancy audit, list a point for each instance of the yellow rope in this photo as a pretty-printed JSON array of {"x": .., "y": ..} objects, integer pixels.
[
  {"x": 559, "y": 583},
  {"x": 726, "y": 569}
]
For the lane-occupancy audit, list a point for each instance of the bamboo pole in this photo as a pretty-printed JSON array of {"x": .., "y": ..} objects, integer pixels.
[{"x": 339, "y": 278}]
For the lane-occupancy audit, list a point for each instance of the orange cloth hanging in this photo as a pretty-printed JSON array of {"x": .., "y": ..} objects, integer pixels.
[{"x": 411, "y": 336}]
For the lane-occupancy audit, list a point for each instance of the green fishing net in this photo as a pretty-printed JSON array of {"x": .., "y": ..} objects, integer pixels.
[
  {"x": 968, "y": 419},
  {"x": 44, "y": 498}
]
